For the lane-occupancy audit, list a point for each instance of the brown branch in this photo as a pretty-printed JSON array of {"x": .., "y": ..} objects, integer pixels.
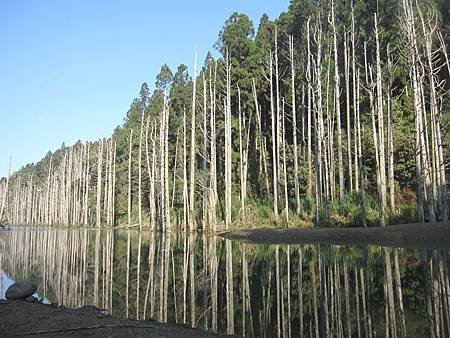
[{"x": 100, "y": 326}]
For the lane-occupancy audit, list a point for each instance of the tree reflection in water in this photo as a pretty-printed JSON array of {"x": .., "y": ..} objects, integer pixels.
[{"x": 230, "y": 287}]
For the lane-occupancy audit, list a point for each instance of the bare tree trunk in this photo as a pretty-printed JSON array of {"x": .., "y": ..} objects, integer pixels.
[
  {"x": 285, "y": 178},
  {"x": 364, "y": 305},
  {"x": 138, "y": 278},
  {"x": 347, "y": 104},
  {"x": 193, "y": 152},
  {"x": 300, "y": 291},
  {"x": 162, "y": 180},
  {"x": 110, "y": 183},
  {"x": 151, "y": 255},
  {"x": 164, "y": 166},
  {"x": 213, "y": 160},
  {"x": 192, "y": 295},
  {"x": 289, "y": 317},
  {"x": 362, "y": 191},
  {"x": 86, "y": 188},
  {"x": 426, "y": 264},
  {"x": 244, "y": 291},
  {"x": 398, "y": 287},
  {"x": 347, "y": 300},
  {"x": 113, "y": 192},
  {"x": 248, "y": 300},
  {"x": 129, "y": 176},
  {"x": 140, "y": 172},
  {"x": 229, "y": 288},
  {"x": 375, "y": 134},
  {"x": 390, "y": 136},
  {"x": 274, "y": 143},
  {"x": 5, "y": 192},
  {"x": 314, "y": 289},
  {"x": 99, "y": 184},
  {"x": 414, "y": 74},
  {"x": 355, "y": 103},
  {"x": 278, "y": 107},
  {"x": 310, "y": 98},
  {"x": 185, "y": 179},
  {"x": 205, "y": 156},
  {"x": 228, "y": 150},
  {"x": 174, "y": 170},
  {"x": 358, "y": 317},
  {"x": 214, "y": 282},
  {"x": 381, "y": 137},
  {"x": 294, "y": 126},
  {"x": 241, "y": 155},
  {"x": 390, "y": 295},
  {"x": 278, "y": 287},
  {"x": 153, "y": 180},
  {"x": 149, "y": 172},
  {"x": 338, "y": 109},
  {"x": 262, "y": 143},
  {"x": 319, "y": 133},
  {"x": 328, "y": 141},
  {"x": 436, "y": 96}
]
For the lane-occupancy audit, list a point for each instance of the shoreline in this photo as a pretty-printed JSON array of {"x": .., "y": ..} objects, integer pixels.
[
  {"x": 20, "y": 318},
  {"x": 413, "y": 235}
]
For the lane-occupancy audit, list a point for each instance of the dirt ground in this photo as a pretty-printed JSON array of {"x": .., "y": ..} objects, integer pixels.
[
  {"x": 415, "y": 235},
  {"x": 19, "y": 318}
]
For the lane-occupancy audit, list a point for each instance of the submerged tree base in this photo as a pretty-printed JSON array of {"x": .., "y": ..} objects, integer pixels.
[
  {"x": 414, "y": 235},
  {"x": 19, "y": 318}
]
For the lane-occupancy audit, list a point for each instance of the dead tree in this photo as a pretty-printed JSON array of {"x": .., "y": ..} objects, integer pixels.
[
  {"x": 228, "y": 150},
  {"x": 129, "y": 176},
  {"x": 191, "y": 220}
]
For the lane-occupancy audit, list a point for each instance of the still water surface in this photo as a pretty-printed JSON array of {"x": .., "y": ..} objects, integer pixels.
[{"x": 219, "y": 285}]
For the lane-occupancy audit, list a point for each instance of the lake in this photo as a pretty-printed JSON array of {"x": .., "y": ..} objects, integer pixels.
[{"x": 211, "y": 283}]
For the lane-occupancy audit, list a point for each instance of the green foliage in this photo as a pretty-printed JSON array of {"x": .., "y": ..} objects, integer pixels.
[{"x": 164, "y": 78}]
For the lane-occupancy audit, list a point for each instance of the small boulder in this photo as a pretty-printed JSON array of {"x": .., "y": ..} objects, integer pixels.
[
  {"x": 21, "y": 290},
  {"x": 30, "y": 299}
]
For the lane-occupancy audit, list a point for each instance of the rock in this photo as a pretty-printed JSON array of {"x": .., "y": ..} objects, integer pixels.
[
  {"x": 30, "y": 299},
  {"x": 21, "y": 290}
]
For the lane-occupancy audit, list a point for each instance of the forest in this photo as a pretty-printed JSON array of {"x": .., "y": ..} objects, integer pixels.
[{"x": 336, "y": 113}]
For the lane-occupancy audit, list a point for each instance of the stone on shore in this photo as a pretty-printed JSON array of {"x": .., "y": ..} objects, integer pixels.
[
  {"x": 21, "y": 290},
  {"x": 30, "y": 299}
]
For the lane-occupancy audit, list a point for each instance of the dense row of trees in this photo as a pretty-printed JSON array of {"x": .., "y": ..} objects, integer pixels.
[{"x": 334, "y": 108}]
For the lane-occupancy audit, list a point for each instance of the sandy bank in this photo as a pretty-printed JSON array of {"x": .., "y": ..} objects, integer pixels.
[{"x": 415, "y": 235}]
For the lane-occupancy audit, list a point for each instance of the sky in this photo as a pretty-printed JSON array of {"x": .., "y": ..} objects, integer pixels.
[{"x": 69, "y": 70}]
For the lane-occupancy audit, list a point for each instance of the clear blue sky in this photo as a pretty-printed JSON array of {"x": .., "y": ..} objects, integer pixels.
[{"x": 70, "y": 69}]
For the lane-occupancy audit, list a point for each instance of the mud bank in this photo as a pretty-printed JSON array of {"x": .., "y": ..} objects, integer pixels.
[
  {"x": 414, "y": 235},
  {"x": 23, "y": 319}
]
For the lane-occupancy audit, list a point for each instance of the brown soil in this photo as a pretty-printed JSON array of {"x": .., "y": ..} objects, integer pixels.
[
  {"x": 415, "y": 235},
  {"x": 19, "y": 318}
]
